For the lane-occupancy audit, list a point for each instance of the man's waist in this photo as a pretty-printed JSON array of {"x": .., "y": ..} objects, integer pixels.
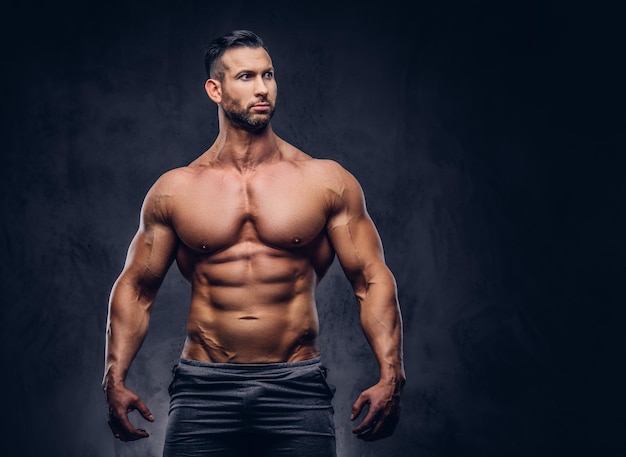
[{"x": 260, "y": 366}]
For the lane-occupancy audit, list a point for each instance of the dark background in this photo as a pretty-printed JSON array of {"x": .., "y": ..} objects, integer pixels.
[{"x": 489, "y": 140}]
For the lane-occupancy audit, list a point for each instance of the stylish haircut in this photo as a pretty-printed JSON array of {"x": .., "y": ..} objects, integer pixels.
[{"x": 234, "y": 39}]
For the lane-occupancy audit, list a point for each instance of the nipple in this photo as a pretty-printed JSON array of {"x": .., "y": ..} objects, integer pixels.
[
  {"x": 296, "y": 240},
  {"x": 204, "y": 247}
]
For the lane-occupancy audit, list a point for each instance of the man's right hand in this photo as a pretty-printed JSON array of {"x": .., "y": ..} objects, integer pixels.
[{"x": 120, "y": 402}]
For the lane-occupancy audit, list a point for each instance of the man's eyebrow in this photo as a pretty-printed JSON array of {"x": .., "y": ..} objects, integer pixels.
[{"x": 248, "y": 70}]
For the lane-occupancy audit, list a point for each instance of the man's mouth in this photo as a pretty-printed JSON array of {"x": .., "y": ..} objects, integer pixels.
[{"x": 263, "y": 106}]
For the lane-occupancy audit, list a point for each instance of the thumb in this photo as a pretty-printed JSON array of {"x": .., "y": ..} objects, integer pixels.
[{"x": 143, "y": 410}]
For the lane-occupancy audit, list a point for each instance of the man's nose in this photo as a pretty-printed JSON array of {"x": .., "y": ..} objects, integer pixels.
[{"x": 260, "y": 87}]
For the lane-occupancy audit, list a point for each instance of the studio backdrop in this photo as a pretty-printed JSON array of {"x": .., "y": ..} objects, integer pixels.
[{"x": 488, "y": 138}]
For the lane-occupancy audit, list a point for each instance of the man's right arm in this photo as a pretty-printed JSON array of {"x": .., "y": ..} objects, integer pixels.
[{"x": 150, "y": 255}]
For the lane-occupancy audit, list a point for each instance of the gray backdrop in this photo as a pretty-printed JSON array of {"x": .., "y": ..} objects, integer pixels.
[{"x": 488, "y": 138}]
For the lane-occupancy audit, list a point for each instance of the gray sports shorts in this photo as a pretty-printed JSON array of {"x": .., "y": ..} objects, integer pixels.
[{"x": 232, "y": 409}]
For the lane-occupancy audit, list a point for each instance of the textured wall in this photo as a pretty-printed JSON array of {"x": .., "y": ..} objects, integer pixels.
[{"x": 489, "y": 142}]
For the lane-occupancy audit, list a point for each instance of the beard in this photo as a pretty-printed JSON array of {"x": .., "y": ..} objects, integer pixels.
[{"x": 245, "y": 119}]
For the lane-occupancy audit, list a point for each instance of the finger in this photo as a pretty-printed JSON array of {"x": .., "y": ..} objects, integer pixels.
[
  {"x": 124, "y": 429},
  {"x": 367, "y": 425},
  {"x": 383, "y": 427},
  {"x": 143, "y": 410},
  {"x": 372, "y": 433},
  {"x": 137, "y": 434},
  {"x": 381, "y": 430},
  {"x": 141, "y": 433},
  {"x": 357, "y": 407},
  {"x": 381, "y": 424},
  {"x": 134, "y": 437}
]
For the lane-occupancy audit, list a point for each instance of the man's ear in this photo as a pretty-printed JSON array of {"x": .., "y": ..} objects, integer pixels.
[{"x": 214, "y": 90}]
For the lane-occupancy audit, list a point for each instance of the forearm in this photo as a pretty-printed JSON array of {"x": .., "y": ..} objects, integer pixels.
[
  {"x": 127, "y": 326},
  {"x": 382, "y": 325}
]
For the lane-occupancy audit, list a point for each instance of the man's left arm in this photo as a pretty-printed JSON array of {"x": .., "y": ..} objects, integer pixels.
[{"x": 360, "y": 253}]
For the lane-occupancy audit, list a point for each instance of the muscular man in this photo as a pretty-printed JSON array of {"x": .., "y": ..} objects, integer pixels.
[{"x": 253, "y": 224}]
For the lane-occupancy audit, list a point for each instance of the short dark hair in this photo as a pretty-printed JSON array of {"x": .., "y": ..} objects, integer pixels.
[{"x": 234, "y": 39}]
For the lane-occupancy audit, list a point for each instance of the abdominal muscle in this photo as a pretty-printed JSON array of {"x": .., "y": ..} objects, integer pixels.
[{"x": 252, "y": 304}]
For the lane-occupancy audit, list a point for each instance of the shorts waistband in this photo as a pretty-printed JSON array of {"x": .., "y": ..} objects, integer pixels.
[{"x": 251, "y": 366}]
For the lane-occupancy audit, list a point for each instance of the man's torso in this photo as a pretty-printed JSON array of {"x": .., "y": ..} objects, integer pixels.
[{"x": 253, "y": 245}]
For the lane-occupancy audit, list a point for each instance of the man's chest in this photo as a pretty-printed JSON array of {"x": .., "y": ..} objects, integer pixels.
[{"x": 277, "y": 210}]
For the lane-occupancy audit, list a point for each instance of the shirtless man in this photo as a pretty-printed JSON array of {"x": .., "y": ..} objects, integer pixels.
[{"x": 253, "y": 224}]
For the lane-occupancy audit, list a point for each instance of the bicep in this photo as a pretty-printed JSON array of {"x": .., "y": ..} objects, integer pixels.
[
  {"x": 354, "y": 236},
  {"x": 152, "y": 250},
  {"x": 357, "y": 244},
  {"x": 150, "y": 255}
]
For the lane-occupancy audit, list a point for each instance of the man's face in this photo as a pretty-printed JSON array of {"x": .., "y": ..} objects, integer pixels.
[{"x": 248, "y": 87}]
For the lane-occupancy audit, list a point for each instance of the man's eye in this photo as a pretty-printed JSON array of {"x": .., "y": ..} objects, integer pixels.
[
  {"x": 244, "y": 76},
  {"x": 268, "y": 75}
]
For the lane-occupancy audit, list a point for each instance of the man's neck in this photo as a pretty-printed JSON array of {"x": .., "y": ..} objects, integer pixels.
[{"x": 244, "y": 150}]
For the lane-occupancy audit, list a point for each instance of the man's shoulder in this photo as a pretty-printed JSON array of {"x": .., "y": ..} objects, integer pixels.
[
  {"x": 308, "y": 161},
  {"x": 175, "y": 177},
  {"x": 327, "y": 168},
  {"x": 162, "y": 196},
  {"x": 332, "y": 171},
  {"x": 330, "y": 176}
]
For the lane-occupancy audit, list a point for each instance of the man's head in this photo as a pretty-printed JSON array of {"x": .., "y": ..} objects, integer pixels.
[
  {"x": 241, "y": 79},
  {"x": 216, "y": 49}
]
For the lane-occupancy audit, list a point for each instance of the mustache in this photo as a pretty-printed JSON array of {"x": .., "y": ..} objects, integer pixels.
[{"x": 261, "y": 100}]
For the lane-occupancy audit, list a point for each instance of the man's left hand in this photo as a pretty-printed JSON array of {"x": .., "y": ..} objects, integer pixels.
[{"x": 383, "y": 413}]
